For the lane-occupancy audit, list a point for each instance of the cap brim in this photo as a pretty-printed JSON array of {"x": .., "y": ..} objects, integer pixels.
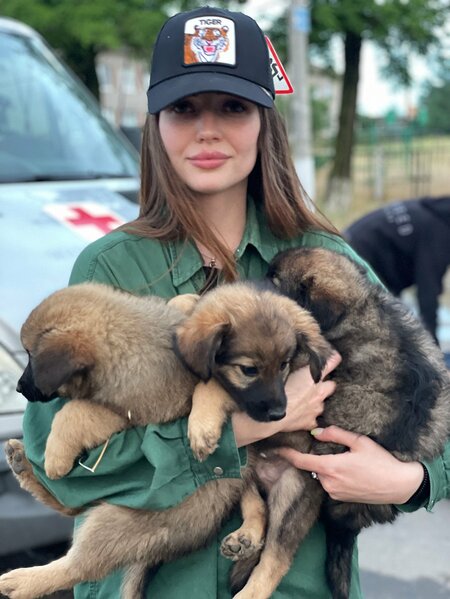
[{"x": 167, "y": 92}]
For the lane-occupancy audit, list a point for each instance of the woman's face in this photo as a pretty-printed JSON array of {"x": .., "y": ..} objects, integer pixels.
[{"x": 211, "y": 140}]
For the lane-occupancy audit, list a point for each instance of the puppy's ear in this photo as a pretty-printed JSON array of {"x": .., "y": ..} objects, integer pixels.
[
  {"x": 197, "y": 341},
  {"x": 327, "y": 312},
  {"x": 312, "y": 347},
  {"x": 58, "y": 358},
  {"x": 326, "y": 308},
  {"x": 316, "y": 350}
]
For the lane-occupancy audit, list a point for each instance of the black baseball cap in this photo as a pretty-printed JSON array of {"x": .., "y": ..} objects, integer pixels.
[{"x": 210, "y": 50}]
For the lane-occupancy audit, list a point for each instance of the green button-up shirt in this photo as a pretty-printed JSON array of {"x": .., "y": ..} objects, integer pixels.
[{"x": 152, "y": 467}]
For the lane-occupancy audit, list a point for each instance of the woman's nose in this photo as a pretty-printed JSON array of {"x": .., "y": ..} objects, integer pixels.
[{"x": 208, "y": 127}]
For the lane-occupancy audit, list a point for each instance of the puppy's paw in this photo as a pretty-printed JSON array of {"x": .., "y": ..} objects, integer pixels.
[
  {"x": 59, "y": 458},
  {"x": 17, "y": 460},
  {"x": 241, "y": 544},
  {"x": 203, "y": 439},
  {"x": 185, "y": 303},
  {"x": 57, "y": 466},
  {"x": 18, "y": 584}
]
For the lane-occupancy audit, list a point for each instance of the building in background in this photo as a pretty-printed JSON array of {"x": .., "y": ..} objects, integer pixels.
[{"x": 123, "y": 83}]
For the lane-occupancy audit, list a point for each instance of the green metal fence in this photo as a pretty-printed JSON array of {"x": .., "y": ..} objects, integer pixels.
[{"x": 393, "y": 168}]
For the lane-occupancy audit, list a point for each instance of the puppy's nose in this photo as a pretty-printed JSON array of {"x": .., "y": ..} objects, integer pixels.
[{"x": 276, "y": 413}]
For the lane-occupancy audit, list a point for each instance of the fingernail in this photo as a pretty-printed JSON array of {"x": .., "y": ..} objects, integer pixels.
[{"x": 316, "y": 431}]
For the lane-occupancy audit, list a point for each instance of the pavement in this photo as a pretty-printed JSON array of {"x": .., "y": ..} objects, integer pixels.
[
  {"x": 409, "y": 559},
  {"x": 444, "y": 328}
]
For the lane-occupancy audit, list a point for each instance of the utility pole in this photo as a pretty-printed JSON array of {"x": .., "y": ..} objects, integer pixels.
[{"x": 300, "y": 113}]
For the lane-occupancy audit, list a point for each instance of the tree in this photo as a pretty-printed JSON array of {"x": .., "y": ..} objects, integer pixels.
[
  {"x": 399, "y": 28},
  {"x": 81, "y": 29},
  {"x": 434, "y": 103}
]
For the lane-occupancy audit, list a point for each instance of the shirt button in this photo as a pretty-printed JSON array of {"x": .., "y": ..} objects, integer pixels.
[{"x": 218, "y": 471}]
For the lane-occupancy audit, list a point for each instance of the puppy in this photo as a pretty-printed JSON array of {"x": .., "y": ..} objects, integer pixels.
[
  {"x": 392, "y": 385},
  {"x": 115, "y": 351},
  {"x": 239, "y": 353},
  {"x": 248, "y": 340}
]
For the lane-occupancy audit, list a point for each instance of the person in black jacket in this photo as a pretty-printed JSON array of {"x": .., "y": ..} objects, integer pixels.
[{"x": 408, "y": 243}]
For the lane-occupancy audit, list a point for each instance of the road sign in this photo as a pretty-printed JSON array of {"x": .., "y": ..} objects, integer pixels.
[{"x": 281, "y": 81}]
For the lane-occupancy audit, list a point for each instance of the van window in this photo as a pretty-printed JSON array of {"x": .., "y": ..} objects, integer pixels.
[{"x": 50, "y": 127}]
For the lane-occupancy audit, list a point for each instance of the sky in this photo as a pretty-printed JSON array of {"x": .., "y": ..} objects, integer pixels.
[{"x": 376, "y": 95}]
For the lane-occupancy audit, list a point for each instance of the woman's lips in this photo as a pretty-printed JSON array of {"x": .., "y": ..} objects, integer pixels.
[{"x": 207, "y": 160}]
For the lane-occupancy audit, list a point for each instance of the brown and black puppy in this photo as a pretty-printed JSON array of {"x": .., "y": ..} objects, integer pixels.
[
  {"x": 392, "y": 385},
  {"x": 111, "y": 353},
  {"x": 240, "y": 348},
  {"x": 247, "y": 339}
]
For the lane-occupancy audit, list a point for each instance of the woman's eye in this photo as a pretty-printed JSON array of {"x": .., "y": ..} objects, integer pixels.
[
  {"x": 183, "y": 107},
  {"x": 234, "y": 106},
  {"x": 250, "y": 371},
  {"x": 284, "y": 365}
]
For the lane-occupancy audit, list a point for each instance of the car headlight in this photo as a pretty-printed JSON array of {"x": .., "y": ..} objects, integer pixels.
[{"x": 10, "y": 372}]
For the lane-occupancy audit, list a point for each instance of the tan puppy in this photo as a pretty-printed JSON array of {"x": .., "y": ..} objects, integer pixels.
[{"x": 115, "y": 351}]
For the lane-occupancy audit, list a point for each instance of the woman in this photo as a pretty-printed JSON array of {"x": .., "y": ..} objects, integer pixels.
[{"x": 219, "y": 199}]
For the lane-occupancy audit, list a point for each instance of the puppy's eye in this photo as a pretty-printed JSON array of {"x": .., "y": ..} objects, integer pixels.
[
  {"x": 250, "y": 371},
  {"x": 284, "y": 365},
  {"x": 276, "y": 281}
]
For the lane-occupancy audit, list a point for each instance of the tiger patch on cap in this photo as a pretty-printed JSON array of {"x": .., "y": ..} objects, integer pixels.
[{"x": 209, "y": 40}]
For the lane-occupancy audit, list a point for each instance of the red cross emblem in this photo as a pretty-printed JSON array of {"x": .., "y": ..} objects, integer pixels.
[
  {"x": 105, "y": 223},
  {"x": 90, "y": 220}
]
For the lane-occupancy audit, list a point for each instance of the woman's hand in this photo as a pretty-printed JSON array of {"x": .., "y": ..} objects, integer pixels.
[
  {"x": 367, "y": 473},
  {"x": 305, "y": 398},
  {"x": 305, "y": 401}
]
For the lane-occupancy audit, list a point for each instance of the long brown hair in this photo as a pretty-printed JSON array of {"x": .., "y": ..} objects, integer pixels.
[{"x": 168, "y": 208}]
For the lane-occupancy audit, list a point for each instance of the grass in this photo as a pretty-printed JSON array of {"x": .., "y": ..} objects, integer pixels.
[{"x": 389, "y": 171}]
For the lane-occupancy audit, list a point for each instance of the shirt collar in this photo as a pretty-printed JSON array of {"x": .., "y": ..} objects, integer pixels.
[
  {"x": 186, "y": 258},
  {"x": 258, "y": 234}
]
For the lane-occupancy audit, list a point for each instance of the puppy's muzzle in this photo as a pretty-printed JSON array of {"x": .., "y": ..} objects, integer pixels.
[
  {"x": 276, "y": 414},
  {"x": 26, "y": 386}
]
